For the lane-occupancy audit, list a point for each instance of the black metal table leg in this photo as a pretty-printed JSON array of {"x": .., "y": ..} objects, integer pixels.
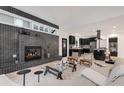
[
  {"x": 24, "y": 72},
  {"x": 24, "y": 80},
  {"x": 59, "y": 76},
  {"x": 38, "y": 74},
  {"x": 38, "y": 78}
]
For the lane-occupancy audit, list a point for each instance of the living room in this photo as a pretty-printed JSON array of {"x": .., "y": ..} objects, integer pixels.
[{"x": 83, "y": 47}]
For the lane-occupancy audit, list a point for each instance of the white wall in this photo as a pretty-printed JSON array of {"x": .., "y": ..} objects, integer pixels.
[
  {"x": 121, "y": 45},
  {"x": 107, "y": 27}
]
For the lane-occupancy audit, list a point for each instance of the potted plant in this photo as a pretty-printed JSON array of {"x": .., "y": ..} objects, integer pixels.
[{"x": 48, "y": 50}]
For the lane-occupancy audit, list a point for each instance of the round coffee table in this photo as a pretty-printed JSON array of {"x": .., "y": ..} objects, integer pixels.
[
  {"x": 38, "y": 73},
  {"x": 24, "y": 72}
]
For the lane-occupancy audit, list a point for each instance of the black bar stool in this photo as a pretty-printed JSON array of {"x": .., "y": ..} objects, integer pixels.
[
  {"x": 38, "y": 73},
  {"x": 24, "y": 72}
]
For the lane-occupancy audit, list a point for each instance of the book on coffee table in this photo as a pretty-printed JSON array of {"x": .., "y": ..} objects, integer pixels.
[{"x": 101, "y": 64}]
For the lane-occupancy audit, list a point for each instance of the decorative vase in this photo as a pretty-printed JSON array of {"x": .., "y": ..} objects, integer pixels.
[{"x": 48, "y": 54}]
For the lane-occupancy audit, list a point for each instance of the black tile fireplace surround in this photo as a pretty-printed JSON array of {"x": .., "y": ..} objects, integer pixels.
[{"x": 13, "y": 42}]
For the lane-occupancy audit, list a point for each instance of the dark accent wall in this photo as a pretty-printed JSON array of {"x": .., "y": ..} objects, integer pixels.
[
  {"x": 13, "y": 41},
  {"x": 26, "y": 15}
]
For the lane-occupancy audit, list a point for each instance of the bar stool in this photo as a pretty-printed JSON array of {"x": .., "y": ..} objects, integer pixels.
[{"x": 38, "y": 73}]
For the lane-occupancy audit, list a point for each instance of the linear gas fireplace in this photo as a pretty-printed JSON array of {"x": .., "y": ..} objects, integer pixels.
[{"x": 32, "y": 52}]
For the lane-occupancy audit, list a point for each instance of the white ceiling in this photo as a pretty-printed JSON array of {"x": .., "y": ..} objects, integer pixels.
[{"x": 70, "y": 18}]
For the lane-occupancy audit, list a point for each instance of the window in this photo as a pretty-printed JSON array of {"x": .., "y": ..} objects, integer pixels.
[
  {"x": 35, "y": 27},
  {"x": 46, "y": 29},
  {"x": 18, "y": 22},
  {"x": 41, "y": 28},
  {"x": 6, "y": 19},
  {"x": 26, "y": 24}
]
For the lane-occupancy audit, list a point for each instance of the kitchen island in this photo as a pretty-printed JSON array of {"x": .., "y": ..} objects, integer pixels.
[{"x": 79, "y": 51}]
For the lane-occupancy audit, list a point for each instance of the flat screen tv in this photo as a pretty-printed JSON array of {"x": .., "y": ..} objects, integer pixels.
[{"x": 32, "y": 53}]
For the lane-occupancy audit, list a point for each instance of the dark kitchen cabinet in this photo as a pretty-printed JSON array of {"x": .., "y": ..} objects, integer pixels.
[
  {"x": 113, "y": 46},
  {"x": 92, "y": 39},
  {"x": 71, "y": 39},
  {"x": 83, "y": 41}
]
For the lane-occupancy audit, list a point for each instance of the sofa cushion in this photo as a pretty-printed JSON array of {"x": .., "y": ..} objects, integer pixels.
[
  {"x": 94, "y": 76},
  {"x": 116, "y": 72}
]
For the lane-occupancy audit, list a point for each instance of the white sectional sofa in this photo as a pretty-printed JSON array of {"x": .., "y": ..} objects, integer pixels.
[{"x": 111, "y": 75}]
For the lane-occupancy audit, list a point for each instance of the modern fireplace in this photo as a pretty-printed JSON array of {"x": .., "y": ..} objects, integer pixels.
[{"x": 32, "y": 52}]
